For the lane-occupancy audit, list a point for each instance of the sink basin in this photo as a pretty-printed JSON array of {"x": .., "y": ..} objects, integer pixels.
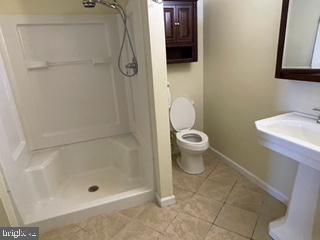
[{"x": 296, "y": 136}]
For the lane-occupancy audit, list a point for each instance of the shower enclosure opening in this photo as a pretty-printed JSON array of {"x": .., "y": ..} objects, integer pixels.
[{"x": 75, "y": 133}]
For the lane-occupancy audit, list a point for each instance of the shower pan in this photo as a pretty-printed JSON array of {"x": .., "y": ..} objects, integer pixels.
[
  {"x": 75, "y": 126},
  {"x": 66, "y": 178}
]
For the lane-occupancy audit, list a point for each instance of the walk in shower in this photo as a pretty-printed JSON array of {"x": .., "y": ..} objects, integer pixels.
[{"x": 75, "y": 129}]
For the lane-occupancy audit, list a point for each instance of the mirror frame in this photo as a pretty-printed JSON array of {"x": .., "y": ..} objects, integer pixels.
[{"x": 311, "y": 75}]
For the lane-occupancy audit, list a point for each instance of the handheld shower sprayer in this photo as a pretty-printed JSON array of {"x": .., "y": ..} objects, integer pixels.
[{"x": 131, "y": 68}]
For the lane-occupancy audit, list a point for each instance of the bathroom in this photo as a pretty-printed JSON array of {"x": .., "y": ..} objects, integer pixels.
[{"x": 86, "y": 161}]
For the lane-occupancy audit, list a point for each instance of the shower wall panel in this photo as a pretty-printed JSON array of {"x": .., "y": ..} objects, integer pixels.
[
  {"x": 66, "y": 80},
  {"x": 14, "y": 156}
]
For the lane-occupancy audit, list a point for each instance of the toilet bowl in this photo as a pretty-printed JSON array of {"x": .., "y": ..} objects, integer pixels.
[{"x": 192, "y": 143}]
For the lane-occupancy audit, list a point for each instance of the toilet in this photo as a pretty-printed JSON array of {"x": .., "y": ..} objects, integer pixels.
[{"x": 192, "y": 143}]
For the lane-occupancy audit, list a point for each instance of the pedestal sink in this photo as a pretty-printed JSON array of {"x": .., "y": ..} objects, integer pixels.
[{"x": 296, "y": 136}]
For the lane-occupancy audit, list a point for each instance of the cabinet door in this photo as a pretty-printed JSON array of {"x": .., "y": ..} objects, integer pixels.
[
  {"x": 184, "y": 16},
  {"x": 169, "y": 21}
]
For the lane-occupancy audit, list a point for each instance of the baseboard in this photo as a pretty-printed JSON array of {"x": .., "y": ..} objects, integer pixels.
[
  {"x": 165, "y": 202},
  {"x": 251, "y": 177}
]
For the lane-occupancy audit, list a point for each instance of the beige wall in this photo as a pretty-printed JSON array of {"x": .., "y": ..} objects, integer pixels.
[
  {"x": 186, "y": 80},
  {"x": 240, "y": 55},
  {"x": 50, "y": 7}
]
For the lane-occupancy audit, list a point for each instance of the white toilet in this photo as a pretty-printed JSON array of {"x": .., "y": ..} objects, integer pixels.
[{"x": 192, "y": 143}]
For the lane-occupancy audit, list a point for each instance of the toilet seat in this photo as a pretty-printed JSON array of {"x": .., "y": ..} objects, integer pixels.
[{"x": 192, "y": 140}]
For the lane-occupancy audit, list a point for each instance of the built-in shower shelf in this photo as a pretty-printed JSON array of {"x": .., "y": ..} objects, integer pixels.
[{"x": 34, "y": 64}]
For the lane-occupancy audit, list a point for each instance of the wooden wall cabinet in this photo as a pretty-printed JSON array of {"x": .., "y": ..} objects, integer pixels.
[{"x": 181, "y": 31}]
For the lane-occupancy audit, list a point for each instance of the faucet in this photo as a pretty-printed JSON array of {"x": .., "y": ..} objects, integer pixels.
[{"x": 318, "y": 110}]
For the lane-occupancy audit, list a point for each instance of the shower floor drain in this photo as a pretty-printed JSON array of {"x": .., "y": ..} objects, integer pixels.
[{"x": 93, "y": 188}]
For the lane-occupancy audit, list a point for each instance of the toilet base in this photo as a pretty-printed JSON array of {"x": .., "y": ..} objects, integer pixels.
[{"x": 191, "y": 163}]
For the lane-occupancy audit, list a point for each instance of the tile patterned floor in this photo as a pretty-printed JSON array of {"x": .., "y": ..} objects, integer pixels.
[
  {"x": 3, "y": 216},
  {"x": 216, "y": 205}
]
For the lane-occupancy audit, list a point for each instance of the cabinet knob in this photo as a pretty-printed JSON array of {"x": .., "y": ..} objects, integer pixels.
[{"x": 177, "y": 24}]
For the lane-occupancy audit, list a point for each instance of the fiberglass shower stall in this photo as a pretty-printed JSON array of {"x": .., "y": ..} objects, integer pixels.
[{"x": 77, "y": 133}]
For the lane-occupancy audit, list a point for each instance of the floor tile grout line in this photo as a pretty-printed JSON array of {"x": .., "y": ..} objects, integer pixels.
[
  {"x": 206, "y": 179},
  {"x": 215, "y": 219},
  {"x": 147, "y": 226},
  {"x": 165, "y": 230},
  {"x": 225, "y": 204},
  {"x": 239, "y": 234},
  {"x": 123, "y": 229},
  {"x": 255, "y": 226},
  {"x": 182, "y": 212},
  {"x": 157, "y": 230},
  {"x": 208, "y": 232},
  {"x": 214, "y": 168},
  {"x": 260, "y": 215}
]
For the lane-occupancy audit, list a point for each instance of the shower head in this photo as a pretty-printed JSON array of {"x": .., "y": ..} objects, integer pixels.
[{"x": 89, "y": 3}]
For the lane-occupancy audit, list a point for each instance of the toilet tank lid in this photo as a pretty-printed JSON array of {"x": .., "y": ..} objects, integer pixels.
[{"x": 182, "y": 114}]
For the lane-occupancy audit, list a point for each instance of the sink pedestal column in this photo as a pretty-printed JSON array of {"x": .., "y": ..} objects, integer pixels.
[{"x": 298, "y": 223}]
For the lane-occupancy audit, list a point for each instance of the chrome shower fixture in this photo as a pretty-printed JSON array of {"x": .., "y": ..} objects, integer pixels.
[
  {"x": 92, "y": 3},
  {"x": 131, "y": 68},
  {"x": 89, "y": 3}
]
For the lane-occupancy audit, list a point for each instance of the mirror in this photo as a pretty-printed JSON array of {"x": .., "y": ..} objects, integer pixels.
[
  {"x": 316, "y": 51},
  {"x": 299, "y": 41}
]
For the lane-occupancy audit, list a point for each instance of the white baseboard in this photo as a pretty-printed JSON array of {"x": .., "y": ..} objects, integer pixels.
[
  {"x": 165, "y": 202},
  {"x": 251, "y": 177}
]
